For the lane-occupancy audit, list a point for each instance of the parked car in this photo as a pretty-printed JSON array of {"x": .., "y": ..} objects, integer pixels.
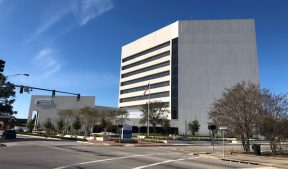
[{"x": 9, "y": 134}]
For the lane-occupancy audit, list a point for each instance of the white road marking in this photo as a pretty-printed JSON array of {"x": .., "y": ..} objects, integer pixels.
[
  {"x": 110, "y": 159},
  {"x": 261, "y": 168},
  {"x": 163, "y": 162}
]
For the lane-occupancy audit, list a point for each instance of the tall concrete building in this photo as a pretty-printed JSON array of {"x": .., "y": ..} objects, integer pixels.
[{"x": 188, "y": 65}]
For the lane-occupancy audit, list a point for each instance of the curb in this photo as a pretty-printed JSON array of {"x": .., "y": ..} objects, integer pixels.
[
  {"x": 2, "y": 145},
  {"x": 240, "y": 161},
  {"x": 243, "y": 161},
  {"x": 48, "y": 138}
]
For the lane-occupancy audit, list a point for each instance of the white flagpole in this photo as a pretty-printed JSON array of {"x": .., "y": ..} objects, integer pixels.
[{"x": 148, "y": 109}]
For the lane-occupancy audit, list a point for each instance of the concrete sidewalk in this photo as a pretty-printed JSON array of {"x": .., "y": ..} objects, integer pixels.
[{"x": 278, "y": 162}]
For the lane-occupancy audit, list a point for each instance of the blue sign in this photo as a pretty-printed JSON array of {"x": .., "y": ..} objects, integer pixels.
[{"x": 126, "y": 132}]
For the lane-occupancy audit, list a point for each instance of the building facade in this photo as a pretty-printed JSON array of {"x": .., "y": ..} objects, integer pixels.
[
  {"x": 43, "y": 106},
  {"x": 188, "y": 65}
]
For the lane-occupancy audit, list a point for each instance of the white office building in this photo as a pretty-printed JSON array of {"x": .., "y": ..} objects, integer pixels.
[{"x": 188, "y": 65}]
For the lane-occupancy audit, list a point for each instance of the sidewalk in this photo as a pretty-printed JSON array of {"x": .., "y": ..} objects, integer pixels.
[{"x": 278, "y": 162}]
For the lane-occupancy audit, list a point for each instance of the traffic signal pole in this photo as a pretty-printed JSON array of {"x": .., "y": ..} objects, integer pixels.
[{"x": 50, "y": 90}]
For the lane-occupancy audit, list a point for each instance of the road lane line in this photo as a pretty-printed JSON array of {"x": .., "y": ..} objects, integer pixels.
[
  {"x": 110, "y": 159},
  {"x": 163, "y": 162}
]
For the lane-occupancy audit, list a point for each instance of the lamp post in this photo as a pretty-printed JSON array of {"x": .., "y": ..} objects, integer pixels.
[
  {"x": 18, "y": 74},
  {"x": 223, "y": 129},
  {"x": 148, "y": 113}
]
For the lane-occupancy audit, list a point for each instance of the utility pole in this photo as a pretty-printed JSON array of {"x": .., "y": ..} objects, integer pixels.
[{"x": 186, "y": 129}]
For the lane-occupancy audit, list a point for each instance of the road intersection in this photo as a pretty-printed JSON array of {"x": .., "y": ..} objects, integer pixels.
[{"x": 40, "y": 153}]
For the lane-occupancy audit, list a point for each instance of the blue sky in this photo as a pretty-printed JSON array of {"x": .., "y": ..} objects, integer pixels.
[{"x": 75, "y": 45}]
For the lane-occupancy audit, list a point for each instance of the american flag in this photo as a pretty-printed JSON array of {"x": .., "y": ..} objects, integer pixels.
[{"x": 146, "y": 89}]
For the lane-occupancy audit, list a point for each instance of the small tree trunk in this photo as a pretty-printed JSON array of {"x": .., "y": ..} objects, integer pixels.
[
  {"x": 154, "y": 129},
  {"x": 248, "y": 145}
]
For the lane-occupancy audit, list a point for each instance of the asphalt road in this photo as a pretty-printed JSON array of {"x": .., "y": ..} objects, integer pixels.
[{"x": 36, "y": 153}]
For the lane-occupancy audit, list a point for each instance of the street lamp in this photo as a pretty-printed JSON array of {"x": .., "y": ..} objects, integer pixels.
[
  {"x": 223, "y": 129},
  {"x": 18, "y": 74}
]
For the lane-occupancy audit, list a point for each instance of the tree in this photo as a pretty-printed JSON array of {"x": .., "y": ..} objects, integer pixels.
[
  {"x": 48, "y": 125},
  {"x": 60, "y": 125},
  {"x": 76, "y": 124},
  {"x": 105, "y": 124},
  {"x": 30, "y": 125},
  {"x": 166, "y": 125},
  {"x": 273, "y": 120},
  {"x": 193, "y": 127},
  {"x": 67, "y": 115},
  {"x": 117, "y": 116},
  {"x": 89, "y": 117},
  {"x": 156, "y": 113},
  {"x": 237, "y": 109},
  {"x": 7, "y": 96}
]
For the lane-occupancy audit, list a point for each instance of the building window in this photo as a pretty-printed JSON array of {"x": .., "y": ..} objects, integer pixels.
[
  {"x": 152, "y": 96},
  {"x": 146, "y": 69},
  {"x": 142, "y": 88},
  {"x": 146, "y": 51},
  {"x": 150, "y": 59},
  {"x": 150, "y": 77}
]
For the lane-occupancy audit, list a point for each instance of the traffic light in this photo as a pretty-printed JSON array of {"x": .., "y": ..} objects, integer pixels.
[
  {"x": 78, "y": 97},
  {"x": 21, "y": 89},
  {"x": 2, "y": 65},
  {"x": 53, "y": 93}
]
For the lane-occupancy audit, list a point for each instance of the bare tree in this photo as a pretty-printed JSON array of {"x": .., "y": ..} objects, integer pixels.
[
  {"x": 238, "y": 109},
  {"x": 89, "y": 117},
  {"x": 67, "y": 115},
  {"x": 273, "y": 120}
]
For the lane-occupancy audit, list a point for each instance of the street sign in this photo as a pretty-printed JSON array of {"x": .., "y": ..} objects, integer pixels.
[{"x": 126, "y": 132}]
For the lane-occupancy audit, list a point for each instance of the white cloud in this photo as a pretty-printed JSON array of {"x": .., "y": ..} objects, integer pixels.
[
  {"x": 46, "y": 62},
  {"x": 82, "y": 12},
  {"x": 86, "y": 10}
]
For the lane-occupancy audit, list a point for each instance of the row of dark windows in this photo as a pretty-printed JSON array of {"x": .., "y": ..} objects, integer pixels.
[
  {"x": 174, "y": 80},
  {"x": 166, "y": 105},
  {"x": 155, "y": 57},
  {"x": 146, "y": 69},
  {"x": 142, "y": 88},
  {"x": 146, "y": 51},
  {"x": 146, "y": 78},
  {"x": 152, "y": 96}
]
